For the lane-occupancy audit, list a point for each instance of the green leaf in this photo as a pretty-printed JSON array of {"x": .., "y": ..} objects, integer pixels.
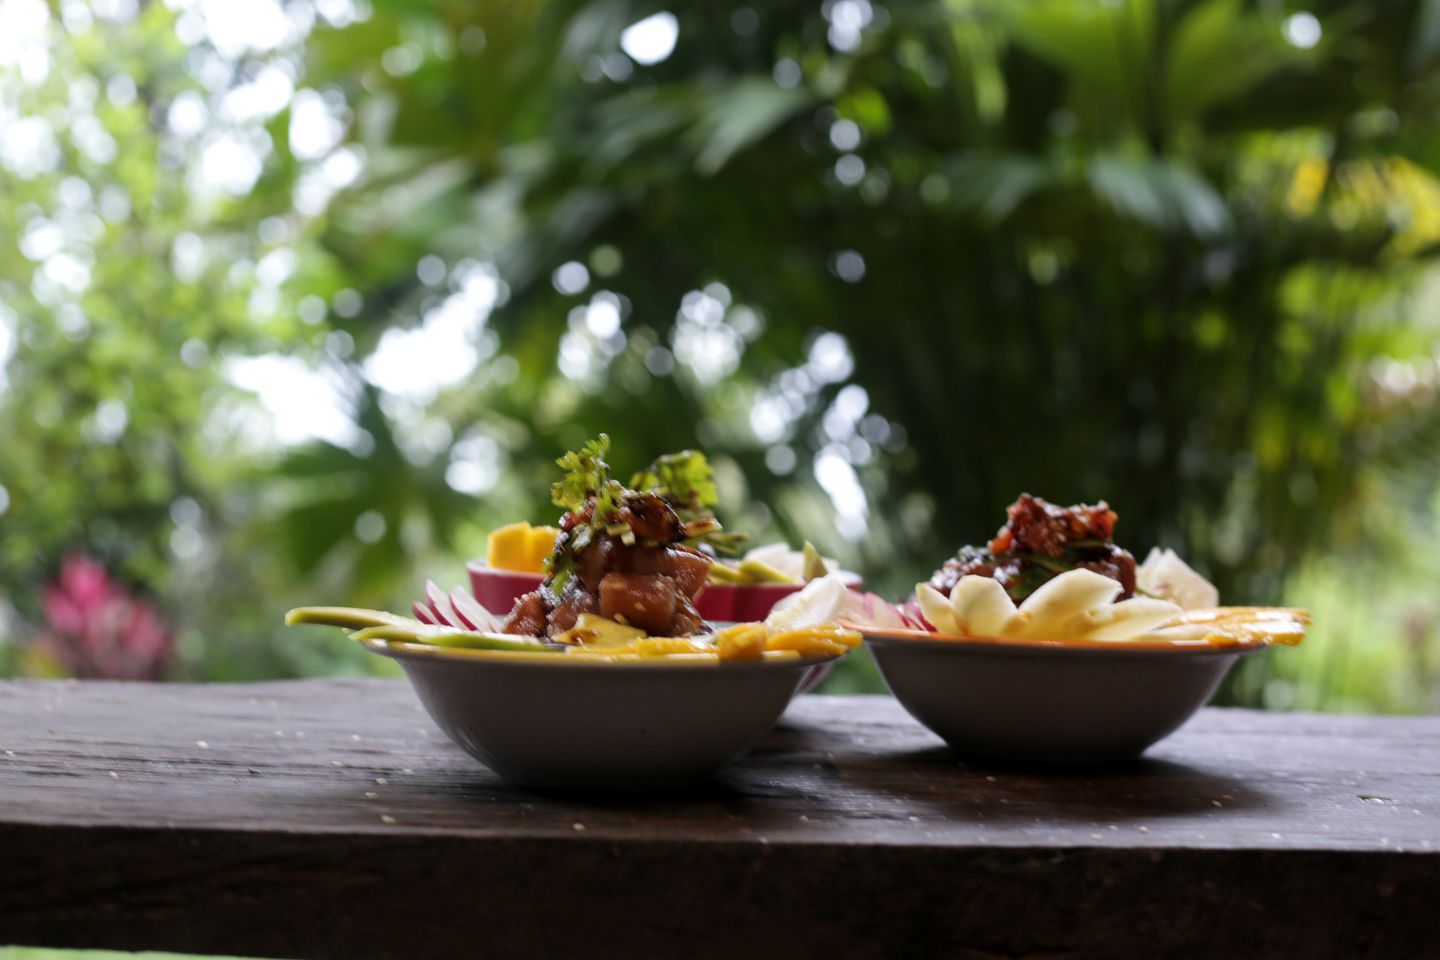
[
  {"x": 586, "y": 473},
  {"x": 1163, "y": 194},
  {"x": 741, "y": 115},
  {"x": 1219, "y": 53},
  {"x": 1106, "y": 48},
  {"x": 1425, "y": 46},
  {"x": 683, "y": 478},
  {"x": 994, "y": 185}
]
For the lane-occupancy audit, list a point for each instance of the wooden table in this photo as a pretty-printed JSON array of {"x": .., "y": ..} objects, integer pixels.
[{"x": 330, "y": 819}]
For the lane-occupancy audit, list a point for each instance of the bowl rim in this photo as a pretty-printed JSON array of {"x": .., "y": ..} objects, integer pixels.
[
  {"x": 1083, "y": 647},
  {"x": 480, "y": 566},
  {"x": 401, "y": 650}
]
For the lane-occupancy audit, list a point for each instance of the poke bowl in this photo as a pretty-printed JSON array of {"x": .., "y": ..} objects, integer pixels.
[
  {"x": 735, "y": 589},
  {"x": 1052, "y": 646},
  {"x": 605, "y": 677}
]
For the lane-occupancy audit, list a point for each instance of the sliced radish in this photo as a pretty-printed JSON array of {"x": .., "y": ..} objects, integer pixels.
[
  {"x": 470, "y": 610},
  {"x": 422, "y": 613},
  {"x": 867, "y": 609},
  {"x": 445, "y": 614},
  {"x": 911, "y": 611},
  {"x": 465, "y": 621}
]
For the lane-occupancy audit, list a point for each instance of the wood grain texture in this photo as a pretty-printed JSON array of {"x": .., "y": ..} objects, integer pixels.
[{"x": 329, "y": 818}]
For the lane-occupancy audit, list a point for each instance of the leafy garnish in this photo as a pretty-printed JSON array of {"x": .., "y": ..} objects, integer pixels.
[
  {"x": 587, "y": 477},
  {"x": 595, "y": 499},
  {"x": 686, "y": 479},
  {"x": 586, "y": 472},
  {"x": 687, "y": 482}
]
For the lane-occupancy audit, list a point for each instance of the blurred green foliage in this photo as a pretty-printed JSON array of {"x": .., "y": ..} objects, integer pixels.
[{"x": 889, "y": 265}]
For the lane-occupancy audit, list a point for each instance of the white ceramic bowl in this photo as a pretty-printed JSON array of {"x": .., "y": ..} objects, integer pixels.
[
  {"x": 1043, "y": 702},
  {"x": 573, "y": 725}
]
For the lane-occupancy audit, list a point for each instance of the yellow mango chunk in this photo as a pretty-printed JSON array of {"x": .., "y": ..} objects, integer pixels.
[
  {"x": 823, "y": 640},
  {"x": 668, "y": 646},
  {"x": 541, "y": 544},
  {"x": 597, "y": 631},
  {"x": 520, "y": 547},
  {"x": 744, "y": 641}
]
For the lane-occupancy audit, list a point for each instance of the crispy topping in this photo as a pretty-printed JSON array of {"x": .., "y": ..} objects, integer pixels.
[{"x": 1039, "y": 541}]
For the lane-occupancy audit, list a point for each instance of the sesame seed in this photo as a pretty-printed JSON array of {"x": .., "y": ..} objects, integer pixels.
[
  {"x": 578, "y": 827},
  {"x": 381, "y": 780},
  {"x": 114, "y": 775},
  {"x": 336, "y": 763},
  {"x": 1097, "y": 836},
  {"x": 1144, "y": 829},
  {"x": 355, "y": 737},
  {"x": 386, "y": 818},
  {"x": 1216, "y": 803},
  {"x": 202, "y": 744},
  {"x": 371, "y": 794}
]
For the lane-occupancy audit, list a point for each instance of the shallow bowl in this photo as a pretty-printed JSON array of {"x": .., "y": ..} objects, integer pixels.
[
  {"x": 1049, "y": 702},
  {"x": 542, "y": 722}
]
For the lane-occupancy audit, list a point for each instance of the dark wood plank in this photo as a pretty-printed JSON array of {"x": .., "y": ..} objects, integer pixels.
[{"x": 329, "y": 818}]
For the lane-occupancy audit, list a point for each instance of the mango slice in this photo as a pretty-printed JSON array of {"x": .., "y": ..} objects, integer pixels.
[{"x": 520, "y": 547}]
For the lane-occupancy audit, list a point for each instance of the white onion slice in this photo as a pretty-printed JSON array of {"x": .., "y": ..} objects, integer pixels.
[
  {"x": 819, "y": 602},
  {"x": 936, "y": 607},
  {"x": 982, "y": 607},
  {"x": 1125, "y": 620},
  {"x": 1044, "y": 610}
]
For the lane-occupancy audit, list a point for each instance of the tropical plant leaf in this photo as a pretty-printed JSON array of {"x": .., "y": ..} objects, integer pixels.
[
  {"x": 1162, "y": 194},
  {"x": 738, "y": 116},
  {"x": 1219, "y": 52}
]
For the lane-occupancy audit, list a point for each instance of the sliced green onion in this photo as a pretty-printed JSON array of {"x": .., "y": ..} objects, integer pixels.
[{"x": 350, "y": 618}]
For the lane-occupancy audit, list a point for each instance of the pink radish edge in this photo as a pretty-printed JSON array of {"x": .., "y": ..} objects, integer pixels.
[
  {"x": 472, "y": 611},
  {"x": 422, "y": 612},
  {"x": 445, "y": 614}
]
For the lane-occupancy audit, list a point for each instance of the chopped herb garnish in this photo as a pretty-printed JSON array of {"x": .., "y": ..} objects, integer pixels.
[
  {"x": 685, "y": 479},
  {"x": 687, "y": 482},
  {"x": 587, "y": 475}
]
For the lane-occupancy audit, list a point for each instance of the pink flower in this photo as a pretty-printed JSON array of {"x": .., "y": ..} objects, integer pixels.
[{"x": 98, "y": 630}]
